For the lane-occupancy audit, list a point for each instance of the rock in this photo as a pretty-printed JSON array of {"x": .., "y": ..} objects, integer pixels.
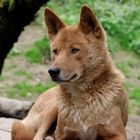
[{"x": 5, "y": 128}]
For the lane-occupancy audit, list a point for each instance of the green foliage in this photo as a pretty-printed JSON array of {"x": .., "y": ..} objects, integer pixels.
[
  {"x": 138, "y": 77},
  {"x": 121, "y": 20},
  {"x": 39, "y": 51},
  {"x": 7, "y": 3},
  {"x": 124, "y": 67},
  {"x": 43, "y": 46},
  {"x": 11, "y": 3},
  {"x": 1, "y": 4},
  {"x": 24, "y": 74},
  {"x": 23, "y": 89},
  {"x": 33, "y": 56},
  {"x": 15, "y": 51},
  {"x": 2, "y": 78},
  {"x": 135, "y": 95}
]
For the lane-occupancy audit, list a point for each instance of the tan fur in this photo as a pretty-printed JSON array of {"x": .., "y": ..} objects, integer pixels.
[
  {"x": 39, "y": 119},
  {"x": 94, "y": 103},
  {"x": 21, "y": 132},
  {"x": 90, "y": 98}
]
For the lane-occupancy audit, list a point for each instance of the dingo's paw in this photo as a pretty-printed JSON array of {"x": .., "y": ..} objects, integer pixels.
[{"x": 48, "y": 138}]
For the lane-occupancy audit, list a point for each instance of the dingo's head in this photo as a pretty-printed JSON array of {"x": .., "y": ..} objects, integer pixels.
[{"x": 77, "y": 51}]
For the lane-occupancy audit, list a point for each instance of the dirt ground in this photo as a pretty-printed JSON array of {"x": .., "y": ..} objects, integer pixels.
[
  {"x": 133, "y": 128},
  {"x": 39, "y": 72}
]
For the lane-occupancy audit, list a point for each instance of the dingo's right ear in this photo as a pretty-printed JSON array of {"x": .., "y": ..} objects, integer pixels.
[
  {"x": 89, "y": 23},
  {"x": 54, "y": 24}
]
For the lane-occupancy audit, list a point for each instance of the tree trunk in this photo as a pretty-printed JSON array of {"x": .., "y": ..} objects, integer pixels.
[{"x": 13, "y": 21}]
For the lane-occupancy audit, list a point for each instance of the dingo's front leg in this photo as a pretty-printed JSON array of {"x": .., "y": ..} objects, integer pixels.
[{"x": 49, "y": 116}]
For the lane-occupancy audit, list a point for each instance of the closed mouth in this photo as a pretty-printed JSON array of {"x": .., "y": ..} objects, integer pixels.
[
  {"x": 59, "y": 80},
  {"x": 73, "y": 77}
]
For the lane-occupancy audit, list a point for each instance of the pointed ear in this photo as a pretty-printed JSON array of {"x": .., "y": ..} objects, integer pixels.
[
  {"x": 54, "y": 24},
  {"x": 89, "y": 23}
]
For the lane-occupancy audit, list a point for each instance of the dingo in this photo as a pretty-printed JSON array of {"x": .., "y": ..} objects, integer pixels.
[{"x": 90, "y": 102}]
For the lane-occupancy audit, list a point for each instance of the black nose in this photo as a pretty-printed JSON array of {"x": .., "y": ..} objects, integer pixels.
[{"x": 54, "y": 72}]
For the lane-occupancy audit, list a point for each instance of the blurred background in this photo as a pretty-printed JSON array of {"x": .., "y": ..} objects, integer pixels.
[{"x": 25, "y": 75}]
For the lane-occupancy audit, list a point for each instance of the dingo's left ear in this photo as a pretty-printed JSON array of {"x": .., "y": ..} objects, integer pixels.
[
  {"x": 89, "y": 23},
  {"x": 54, "y": 24}
]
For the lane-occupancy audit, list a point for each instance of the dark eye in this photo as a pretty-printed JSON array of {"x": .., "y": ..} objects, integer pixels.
[
  {"x": 74, "y": 50},
  {"x": 55, "y": 51}
]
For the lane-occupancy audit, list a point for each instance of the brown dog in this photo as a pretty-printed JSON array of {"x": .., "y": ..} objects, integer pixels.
[{"x": 90, "y": 98}]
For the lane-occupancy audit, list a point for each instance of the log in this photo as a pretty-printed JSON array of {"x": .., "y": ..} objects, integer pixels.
[{"x": 12, "y": 108}]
